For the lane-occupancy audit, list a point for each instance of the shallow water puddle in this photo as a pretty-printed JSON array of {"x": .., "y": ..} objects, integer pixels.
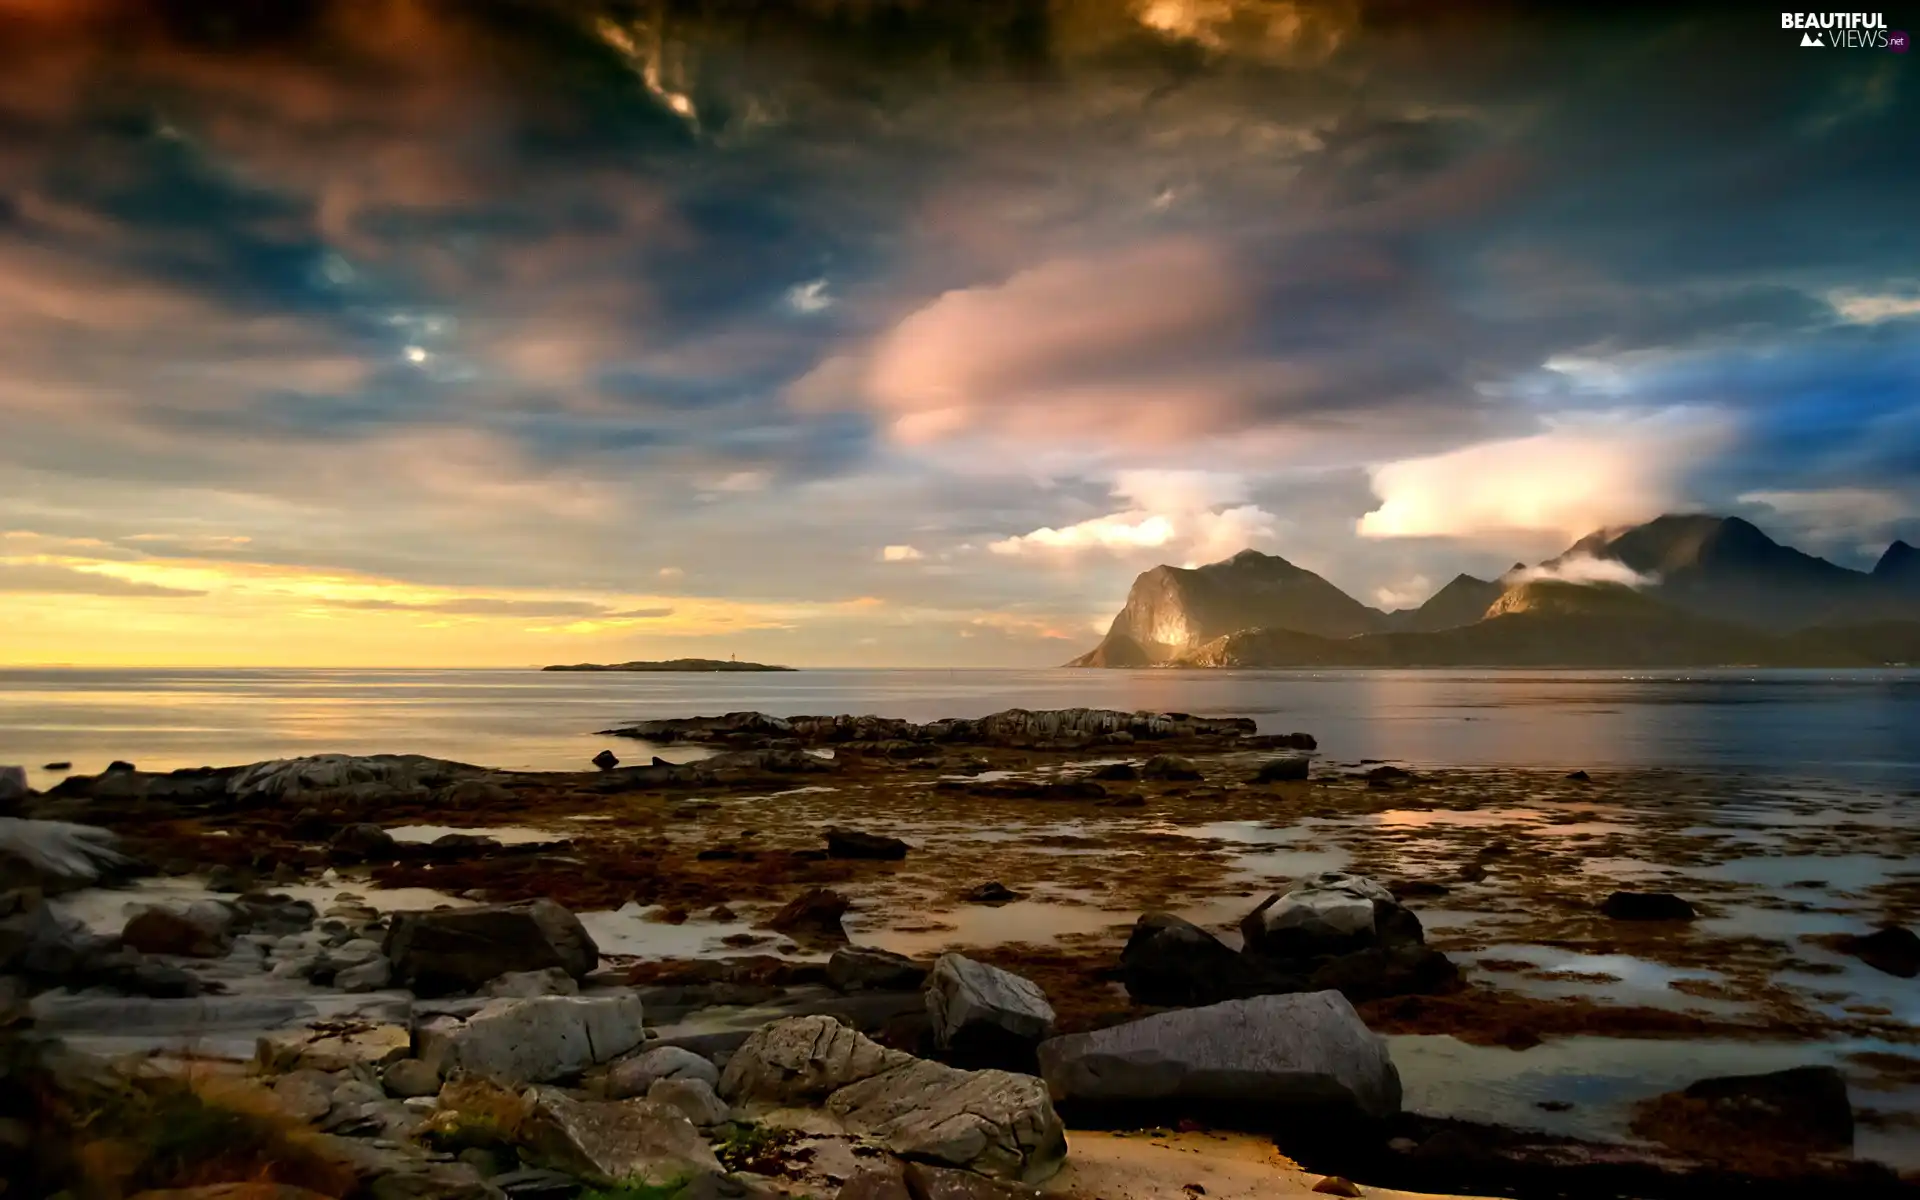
[
  {"x": 627, "y": 931},
  {"x": 1602, "y": 1078},
  {"x": 105, "y": 910},
  {"x": 506, "y": 835},
  {"x": 1030, "y": 920},
  {"x": 1613, "y": 978}
]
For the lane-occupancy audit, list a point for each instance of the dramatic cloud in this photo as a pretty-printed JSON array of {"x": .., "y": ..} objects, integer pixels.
[
  {"x": 396, "y": 330},
  {"x": 1581, "y": 475},
  {"x": 1584, "y": 568}
]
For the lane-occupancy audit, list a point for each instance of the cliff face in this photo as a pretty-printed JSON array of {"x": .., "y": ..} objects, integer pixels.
[{"x": 1172, "y": 609}]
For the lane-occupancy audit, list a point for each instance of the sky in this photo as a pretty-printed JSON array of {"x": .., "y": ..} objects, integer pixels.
[{"x": 894, "y": 333}]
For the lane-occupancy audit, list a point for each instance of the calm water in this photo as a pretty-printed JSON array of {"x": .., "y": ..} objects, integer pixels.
[{"x": 1853, "y": 725}]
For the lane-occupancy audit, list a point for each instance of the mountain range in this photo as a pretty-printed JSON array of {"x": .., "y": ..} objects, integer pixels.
[{"x": 1680, "y": 590}]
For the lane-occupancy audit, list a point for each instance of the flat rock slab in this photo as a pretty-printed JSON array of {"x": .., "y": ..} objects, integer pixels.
[
  {"x": 615, "y": 1141},
  {"x": 1305, "y": 1050},
  {"x": 536, "y": 1040},
  {"x": 803, "y": 1060},
  {"x": 994, "y": 1122}
]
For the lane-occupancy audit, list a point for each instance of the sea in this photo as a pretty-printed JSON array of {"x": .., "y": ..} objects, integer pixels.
[{"x": 1860, "y": 727}]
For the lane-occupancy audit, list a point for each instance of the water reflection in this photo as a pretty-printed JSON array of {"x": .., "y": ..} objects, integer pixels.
[{"x": 1837, "y": 724}]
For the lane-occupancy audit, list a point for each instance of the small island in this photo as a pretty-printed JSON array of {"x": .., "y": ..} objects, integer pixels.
[{"x": 672, "y": 664}]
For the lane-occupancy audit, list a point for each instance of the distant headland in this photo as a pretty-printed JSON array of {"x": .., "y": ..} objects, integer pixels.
[{"x": 672, "y": 664}]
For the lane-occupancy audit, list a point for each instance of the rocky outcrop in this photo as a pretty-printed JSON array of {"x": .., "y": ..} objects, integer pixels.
[
  {"x": 693, "y": 1099},
  {"x": 1296, "y": 1052},
  {"x": 993, "y": 1122},
  {"x": 1016, "y": 727},
  {"x": 55, "y": 856},
  {"x": 615, "y": 1142},
  {"x": 342, "y": 777},
  {"x": 801, "y": 1061},
  {"x": 1171, "y": 609},
  {"x": 515, "y": 1042},
  {"x": 456, "y": 950}
]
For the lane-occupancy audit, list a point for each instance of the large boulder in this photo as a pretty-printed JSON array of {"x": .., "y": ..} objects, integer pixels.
[
  {"x": 984, "y": 1013},
  {"x": 459, "y": 949},
  {"x": 802, "y": 1060},
  {"x": 515, "y": 1042},
  {"x": 55, "y": 856},
  {"x": 1309, "y": 1052},
  {"x": 1171, "y": 962},
  {"x": 614, "y": 1142},
  {"x": 200, "y": 930},
  {"x": 994, "y": 1122},
  {"x": 1328, "y": 914}
]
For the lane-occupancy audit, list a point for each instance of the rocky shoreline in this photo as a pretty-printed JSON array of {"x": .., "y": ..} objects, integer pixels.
[{"x": 741, "y": 1031}]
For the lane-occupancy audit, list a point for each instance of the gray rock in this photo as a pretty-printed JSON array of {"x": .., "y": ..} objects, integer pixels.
[
  {"x": 802, "y": 1060},
  {"x": 968, "y": 998},
  {"x": 432, "y": 1181},
  {"x": 634, "y": 1076},
  {"x": 367, "y": 977},
  {"x": 551, "y": 982},
  {"x": 693, "y": 1098},
  {"x": 1302, "y": 1050},
  {"x": 355, "y": 951},
  {"x": 614, "y": 1141},
  {"x": 1331, "y": 913},
  {"x": 515, "y": 1042},
  {"x": 454, "y": 950},
  {"x": 411, "y": 1077},
  {"x": 864, "y": 968},
  {"x": 55, "y": 856},
  {"x": 994, "y": 1122},
  {"x": 305, "y": 1095}
]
